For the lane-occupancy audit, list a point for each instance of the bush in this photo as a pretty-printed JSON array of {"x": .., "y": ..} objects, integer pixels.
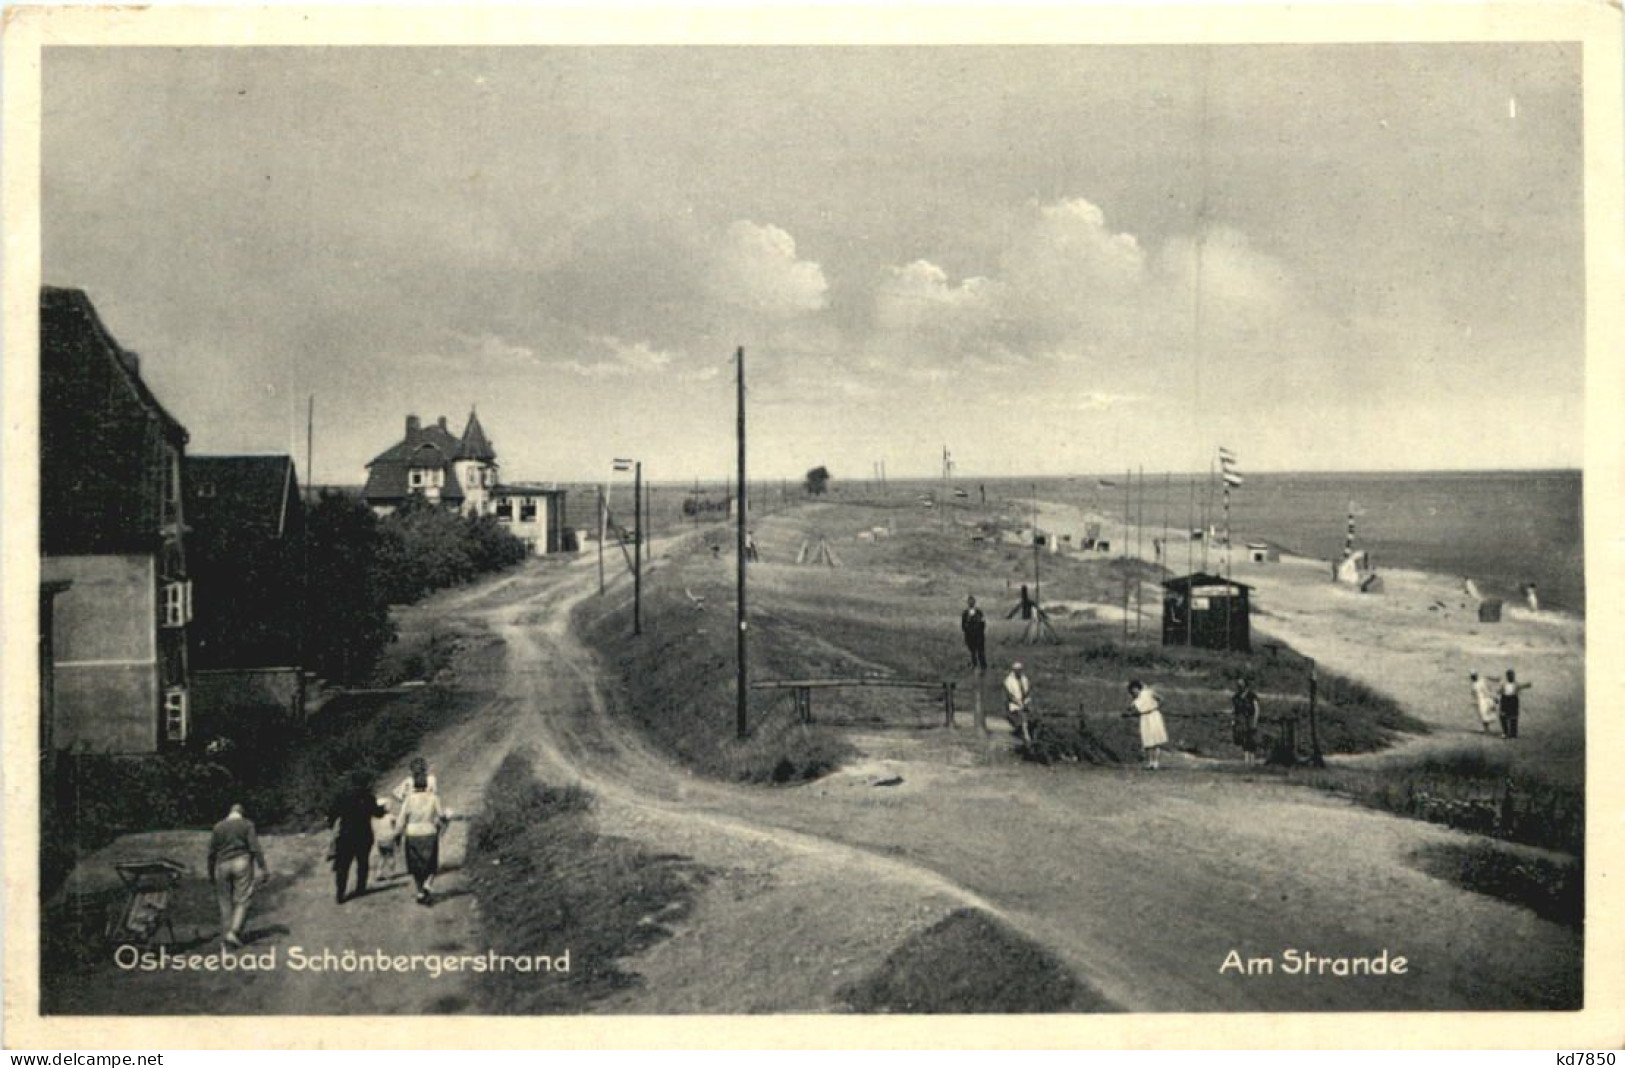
[
  {"x": 547, "y": 882},
  {"x": 427, "y": 548}
]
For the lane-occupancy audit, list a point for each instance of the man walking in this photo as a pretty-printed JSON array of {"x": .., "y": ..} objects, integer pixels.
[
  {"x": 1018, "y": 702},
  {"x": 351, "y": 821},
  {"x": 974, "y": 625},
  {"x": 234, "y": 853}
]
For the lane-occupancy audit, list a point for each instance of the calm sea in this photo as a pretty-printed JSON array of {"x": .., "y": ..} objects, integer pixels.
[{"x": 1501, "y": 528}]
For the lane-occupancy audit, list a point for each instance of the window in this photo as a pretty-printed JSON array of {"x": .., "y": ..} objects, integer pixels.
[
  {"x": 175, "y": 724},
  {"x": 177, "y": 603},
  {"x": 205, "y": 490},
  {"x": 415, "y": 479},
  {"x": 505, "y": 510},
  {"x": 172, "y": 486},
  {"x": 527, "y": 511}
]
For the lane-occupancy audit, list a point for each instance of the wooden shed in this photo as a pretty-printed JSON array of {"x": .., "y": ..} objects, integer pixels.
[{"x": 1206, "y": 611}]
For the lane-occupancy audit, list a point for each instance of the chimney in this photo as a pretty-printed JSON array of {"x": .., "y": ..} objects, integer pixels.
[
  {"x": 442, "y": 422},
  {"x": 412, "y": 426}
]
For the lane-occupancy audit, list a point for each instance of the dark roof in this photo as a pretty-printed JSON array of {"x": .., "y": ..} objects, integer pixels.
[
  {"x": 475, "y": 446},
  {"x": 242, "y": 494},
  {"x": 531, "y": 489},
  {"x": 433, "y": 446},
  {"x": 1202, "y": 578},
  {"x": 102, "y": 436}
]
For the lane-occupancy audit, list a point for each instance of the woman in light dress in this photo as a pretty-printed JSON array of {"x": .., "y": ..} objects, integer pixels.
[
  {"x": 1146, "y": 707},
  {"x": 421, "y": 821}
]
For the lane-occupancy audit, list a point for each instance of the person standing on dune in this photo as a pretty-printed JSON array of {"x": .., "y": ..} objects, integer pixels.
[
  {"x": 1484, "y": 699},
  {"x": 1147, "y": 708},
  {"x": 1510, "y": 704},
  {"x": 973, "y": 622}
]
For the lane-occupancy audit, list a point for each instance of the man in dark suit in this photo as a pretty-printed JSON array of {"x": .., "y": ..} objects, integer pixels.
[
  {"x": 974, "y": 625},
  {"x": 351, "y": 820}
]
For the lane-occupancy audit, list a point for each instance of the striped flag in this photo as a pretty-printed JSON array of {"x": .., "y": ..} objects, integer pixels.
[
  {"x": 1226, "y": 457},
  {"x": 623, "y": 465},
  {"x": 1231, "y": 478}
]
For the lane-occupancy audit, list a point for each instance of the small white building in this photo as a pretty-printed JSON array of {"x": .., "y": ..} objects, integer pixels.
[{"x": 533, "y": 513}]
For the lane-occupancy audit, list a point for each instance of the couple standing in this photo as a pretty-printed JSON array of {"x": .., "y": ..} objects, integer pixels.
[
  {"x": 1501, "y": 701},
  {"x": 419, "y": 826}
]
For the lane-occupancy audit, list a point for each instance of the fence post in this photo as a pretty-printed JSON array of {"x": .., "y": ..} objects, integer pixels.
[
  {"x": 980, "y": 720},
  {"x": 948, "y": 703}
]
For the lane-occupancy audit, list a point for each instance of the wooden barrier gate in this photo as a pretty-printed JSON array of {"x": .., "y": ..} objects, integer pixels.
[{"x": 804, "y": 687}]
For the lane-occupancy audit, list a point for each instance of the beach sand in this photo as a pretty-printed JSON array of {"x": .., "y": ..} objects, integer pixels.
[{"x": 1415, "y": 642}]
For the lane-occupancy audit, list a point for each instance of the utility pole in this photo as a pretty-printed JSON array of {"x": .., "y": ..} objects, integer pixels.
[
  {"x": 1139, "y": 553},
  {"x": 637, "y": 547},
  {"x": 1038, "y": 583},
  {"x": 603, "y": 529},
  {"x": 310, "y": 437},
  {"x": 742, "y": 693},
  {"x": 1128, "y": 488}
]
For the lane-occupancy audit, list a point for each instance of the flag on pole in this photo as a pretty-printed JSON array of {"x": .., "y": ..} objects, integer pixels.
[
  {"x": 1231, "y": 478},
  {"x": 1226, "y": 456},
  {"x": 623, "y": 465}
]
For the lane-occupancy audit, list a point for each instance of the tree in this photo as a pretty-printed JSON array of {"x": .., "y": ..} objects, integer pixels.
[
  {"x": 348, "y": 624},
  {"x": 817, "y": 481}
]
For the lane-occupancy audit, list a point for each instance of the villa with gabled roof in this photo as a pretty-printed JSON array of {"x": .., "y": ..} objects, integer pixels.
[
  {"x": 456, "y": 471},
  {"x": 461, "y": 472}
]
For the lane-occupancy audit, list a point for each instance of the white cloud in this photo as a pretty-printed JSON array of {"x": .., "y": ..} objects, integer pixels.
[
  {"x": 1071, "y": 290},
  {"x": 476, "y": 352},
  {"x": 755, "y": 267}
]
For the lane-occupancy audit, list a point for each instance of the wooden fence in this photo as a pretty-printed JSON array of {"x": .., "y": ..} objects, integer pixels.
[{"x": 802, "y": 690}]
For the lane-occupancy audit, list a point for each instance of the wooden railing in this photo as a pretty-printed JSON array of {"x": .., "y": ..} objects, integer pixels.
[{"x": 803, "y": 689}]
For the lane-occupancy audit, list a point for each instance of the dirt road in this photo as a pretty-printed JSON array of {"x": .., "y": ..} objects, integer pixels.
[{"x": 1144, "y": 884}]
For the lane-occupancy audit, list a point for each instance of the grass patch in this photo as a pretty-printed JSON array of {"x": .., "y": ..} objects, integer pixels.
[
  {"x": 1552, "y": 889},
  {"x": 547, "y": 881},
  {"x": 969, "y": 962},
  {"x": 1467, "y": 788},
  {"x": 676, "y": 683}
]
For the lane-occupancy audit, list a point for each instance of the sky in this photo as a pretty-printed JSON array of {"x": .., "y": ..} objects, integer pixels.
[{"x": 1050, "y": 260}]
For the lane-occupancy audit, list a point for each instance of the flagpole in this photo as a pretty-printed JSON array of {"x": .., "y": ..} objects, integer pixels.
[{"x": 1190, "y": 564}]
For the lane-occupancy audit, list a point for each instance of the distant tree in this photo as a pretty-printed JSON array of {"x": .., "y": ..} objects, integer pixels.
[
  {"x": 817, "y": 481},
  {"x": 347, "y": 624}
]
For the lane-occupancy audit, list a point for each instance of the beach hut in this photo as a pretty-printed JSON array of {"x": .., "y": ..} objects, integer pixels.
[
  {"x": 1261, "y": 552},
  {"x": 1206, "y": 611}
]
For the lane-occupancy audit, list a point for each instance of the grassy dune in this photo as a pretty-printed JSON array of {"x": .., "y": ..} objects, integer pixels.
[{"x": 891, "y": 609}]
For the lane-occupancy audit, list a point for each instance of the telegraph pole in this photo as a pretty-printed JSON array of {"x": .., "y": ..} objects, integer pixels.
[
  {"x": 637, "y": 547},
  {"x": 310, "y": 462},
  {"x": 603, "y": 529},
  {"x": 742, "y": 693},
  {"x": 1038, "y": 583},
  {"x": 1128, "y": 488}
]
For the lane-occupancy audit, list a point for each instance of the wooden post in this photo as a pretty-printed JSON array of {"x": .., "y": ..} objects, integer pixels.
[
  {"x": 742, "y": 694},
  {"x": 603, "y": 531},
  {"x": 1128, "y": 486},
  {"x": 980, "y": 714},
  {"x": 948, "y": 704},
  {"x": 1315, "y": 757},
  {"x": 637, "y": 547}
]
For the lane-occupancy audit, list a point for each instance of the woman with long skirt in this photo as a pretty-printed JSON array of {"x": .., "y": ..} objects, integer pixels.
[
  {"x": 421, "y": 821},
  {"x": 1147, "y": 708}
]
